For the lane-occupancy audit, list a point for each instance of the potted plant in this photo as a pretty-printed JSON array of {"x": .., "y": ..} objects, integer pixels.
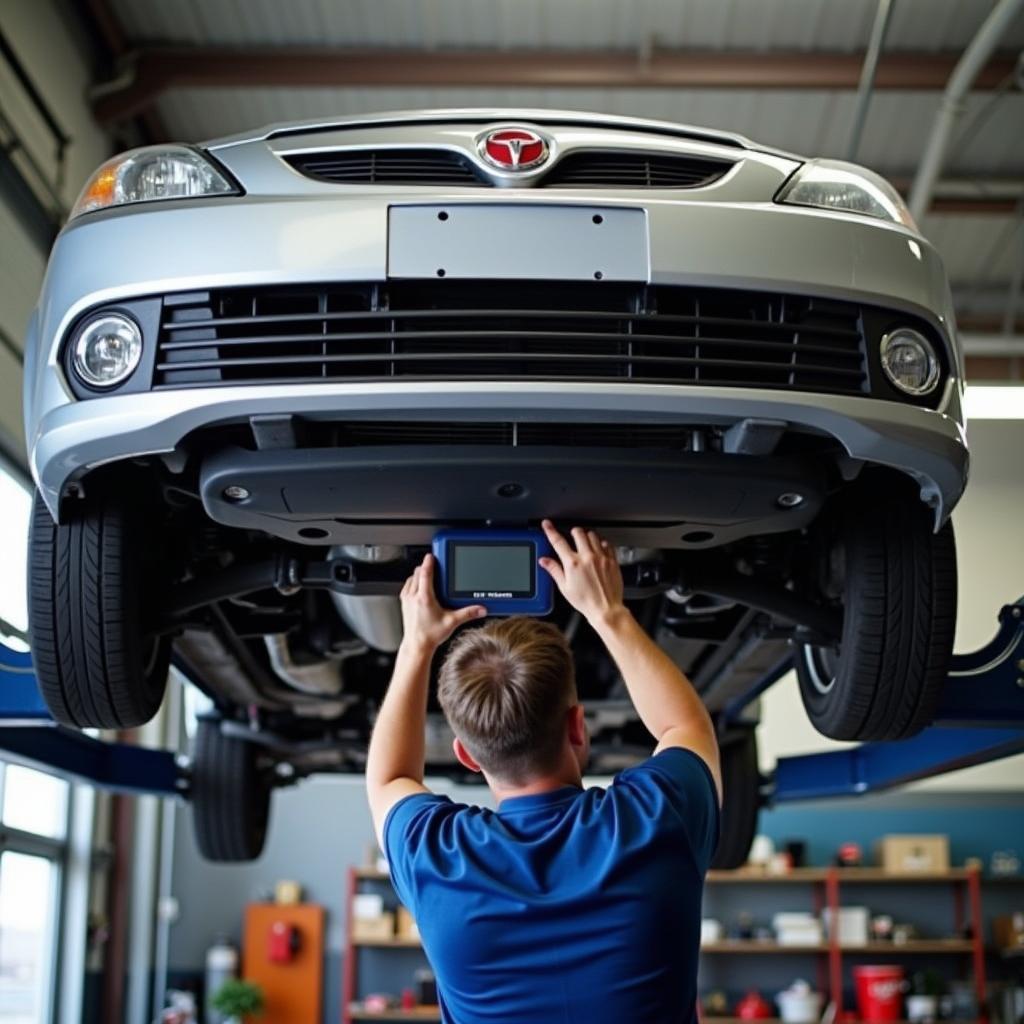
[
  {"x": 926, "y": 988},
  {"x": 236, "y": 998}
]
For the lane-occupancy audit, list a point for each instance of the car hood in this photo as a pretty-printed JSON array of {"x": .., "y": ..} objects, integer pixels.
[{"x": 490, "y": 115}]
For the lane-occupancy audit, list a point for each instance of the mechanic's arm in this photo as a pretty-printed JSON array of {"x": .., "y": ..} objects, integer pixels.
[
  {"x": 394, "y": 766},
  {"x": 591, "y": 581}
]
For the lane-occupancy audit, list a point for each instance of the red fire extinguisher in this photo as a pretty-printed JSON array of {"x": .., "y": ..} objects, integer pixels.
[{"x": 284, "y": 942}]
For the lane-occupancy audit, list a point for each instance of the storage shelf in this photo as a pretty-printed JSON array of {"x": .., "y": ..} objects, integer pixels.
[
  {"x": 888, "y": 948},
  {"x": 423, "y": 1013},
  {"x": 756, "y": 946},
  {"x": 914, "y": 946},
  {"x": 747, "y": 876}
]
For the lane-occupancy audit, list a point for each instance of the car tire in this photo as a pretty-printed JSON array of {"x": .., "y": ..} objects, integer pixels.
[
  {"x": 230, "y": 795},
  {"x": 899, "y": 592},
  {"x": 741, "y": 804},
  {"x": 95, "y": 664}
]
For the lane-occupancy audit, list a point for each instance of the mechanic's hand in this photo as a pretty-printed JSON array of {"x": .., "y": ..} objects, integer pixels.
[
  {"x": 427, "y": 624},
  {"x": 589, "y": 577}
]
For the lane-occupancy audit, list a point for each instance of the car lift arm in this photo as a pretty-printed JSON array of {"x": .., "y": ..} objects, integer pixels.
[
  {"x": 980, "y": 719},
  {"x": 29, "y": 736}
]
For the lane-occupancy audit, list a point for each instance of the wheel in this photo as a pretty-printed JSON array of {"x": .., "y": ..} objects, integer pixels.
[
  {"x": 230, "y": 794},
  {"x": 96, "y": 666},
  {"x": 741, "y": 805},
  {"x": 897, "y": 579}
]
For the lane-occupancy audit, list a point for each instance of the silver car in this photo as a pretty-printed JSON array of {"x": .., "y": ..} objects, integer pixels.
[{"x": 265, "y": 371}]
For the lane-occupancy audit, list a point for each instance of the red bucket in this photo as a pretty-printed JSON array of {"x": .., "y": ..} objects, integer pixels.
[{"x": 879, "y": 992}]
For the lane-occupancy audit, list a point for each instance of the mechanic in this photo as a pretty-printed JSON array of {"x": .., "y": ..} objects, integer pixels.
[{"x": 566, "y": 904}]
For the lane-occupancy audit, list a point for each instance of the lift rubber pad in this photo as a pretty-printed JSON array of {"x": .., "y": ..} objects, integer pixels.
[{"x": 391, "y": 495}]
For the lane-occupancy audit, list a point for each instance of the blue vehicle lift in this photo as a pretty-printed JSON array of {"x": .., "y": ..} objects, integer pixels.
[{"x": 980, "y": 719}]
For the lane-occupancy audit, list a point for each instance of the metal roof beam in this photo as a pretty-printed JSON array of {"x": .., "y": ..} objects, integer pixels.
[{"x": 151, "y": 71}]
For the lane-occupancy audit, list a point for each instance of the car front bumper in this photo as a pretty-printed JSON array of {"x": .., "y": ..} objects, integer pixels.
[
  {"x": 929, "y": 446},
  {"x": 262, "y": 240}
]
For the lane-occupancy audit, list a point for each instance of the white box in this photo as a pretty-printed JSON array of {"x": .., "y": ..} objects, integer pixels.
[
  {"x": 793, "y": 919},
  {"x": 853, "y": 925},
  {"x": 797, "y": 929},
  {"x": 800, "y": 937},
  {"x": 367, "y": 905}
]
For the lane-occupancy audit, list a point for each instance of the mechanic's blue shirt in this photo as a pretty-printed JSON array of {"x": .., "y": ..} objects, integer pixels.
[{"x": 574, "y": 906}]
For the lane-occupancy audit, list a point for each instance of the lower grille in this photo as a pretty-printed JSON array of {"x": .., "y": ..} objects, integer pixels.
[{"x": 480, "y": 330}]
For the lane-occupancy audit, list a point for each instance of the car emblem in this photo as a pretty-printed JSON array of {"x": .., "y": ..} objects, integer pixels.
[{"x": 514, "y": 149}]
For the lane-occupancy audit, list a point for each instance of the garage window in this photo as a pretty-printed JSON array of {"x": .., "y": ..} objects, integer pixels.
[
  {"x": 15, "y": 511},
  {"x": 33, "y": 813},
  {"x": 33, "y": 834}
]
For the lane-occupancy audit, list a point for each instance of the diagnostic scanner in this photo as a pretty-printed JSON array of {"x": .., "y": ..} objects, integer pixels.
[{"x": 495, "y": 568}]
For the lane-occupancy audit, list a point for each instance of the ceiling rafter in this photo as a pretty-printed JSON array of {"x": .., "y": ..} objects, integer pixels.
[{"x": 151, "y": 71}]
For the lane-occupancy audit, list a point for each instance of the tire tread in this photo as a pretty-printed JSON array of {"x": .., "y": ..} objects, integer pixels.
[
  {"x": 85, "y": 623},
  {"x": 899, "y": 620}
]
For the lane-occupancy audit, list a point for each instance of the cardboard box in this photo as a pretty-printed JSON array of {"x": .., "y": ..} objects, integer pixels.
[
  {"x": 373, "y": 929},
  {"x": 287, "y": 893},
  {"x": 405, "y": 925},
  {"x": 1008, "y": 932},
  {"x": 908, "y": 855}
]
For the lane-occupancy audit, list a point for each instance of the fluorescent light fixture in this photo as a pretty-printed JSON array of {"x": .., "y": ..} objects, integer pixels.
[{"x": 994, "y": 402}]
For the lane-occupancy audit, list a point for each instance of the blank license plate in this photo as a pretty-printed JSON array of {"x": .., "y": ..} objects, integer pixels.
[{"x": 569, "y": 243}]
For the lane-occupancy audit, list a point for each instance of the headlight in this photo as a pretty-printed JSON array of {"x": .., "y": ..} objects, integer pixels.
[
  {"x": 107, "y": 350},
  {"x": 909, "y": 361},
  {"x": 155, "y": 172},
  {"x": 836, "y": 185}
]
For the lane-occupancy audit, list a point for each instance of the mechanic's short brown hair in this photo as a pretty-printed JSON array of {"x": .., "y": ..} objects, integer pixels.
[{"x": 505, "y": 689}]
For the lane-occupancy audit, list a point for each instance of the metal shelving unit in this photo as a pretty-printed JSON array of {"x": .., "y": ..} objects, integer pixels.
[
  {"x": 352, "y": 1009},
  {"x": 827, "y": 885}
]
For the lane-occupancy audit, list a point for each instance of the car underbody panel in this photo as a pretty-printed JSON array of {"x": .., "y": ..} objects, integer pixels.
[{"x": 403, "y": 494}]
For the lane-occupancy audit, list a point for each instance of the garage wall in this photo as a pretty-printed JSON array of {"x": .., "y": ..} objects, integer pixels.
[
  {"x": 318, "y": 830},
  {"x": 21, "y": 274},
  {"x": 39, "y": 35},
  {"x": 990, "y": 561},
  {"x": 322, "y": 827}
]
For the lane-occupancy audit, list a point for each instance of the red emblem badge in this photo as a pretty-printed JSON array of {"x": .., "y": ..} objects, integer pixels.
[{"x": 514, "y": 149}]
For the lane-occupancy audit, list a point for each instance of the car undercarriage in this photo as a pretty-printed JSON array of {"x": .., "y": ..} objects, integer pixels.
[{"x": 335, "y": 342}]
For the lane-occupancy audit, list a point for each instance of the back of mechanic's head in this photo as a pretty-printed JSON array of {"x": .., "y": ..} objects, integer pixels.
[{"x": 505, "y": 689}]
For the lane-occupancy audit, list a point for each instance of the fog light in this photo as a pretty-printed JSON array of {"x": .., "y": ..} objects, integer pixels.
[
  {"x": 909, "y": 361},
  {"x": 108, "y": 350}
]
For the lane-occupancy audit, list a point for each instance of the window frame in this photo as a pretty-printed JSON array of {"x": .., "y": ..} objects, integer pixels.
[
  {"x": 56, "y": 851},
  {"x": 20, "y": 475},
  {"x": 16, "y": 840}
]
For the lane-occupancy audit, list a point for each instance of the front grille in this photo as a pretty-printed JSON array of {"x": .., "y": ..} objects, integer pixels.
[
  {"x": 586, "y": 168},
  {"x": 626, "y": 169},
  {"x": 388, "y": 167},
  {"x": 486, "y": 330}
]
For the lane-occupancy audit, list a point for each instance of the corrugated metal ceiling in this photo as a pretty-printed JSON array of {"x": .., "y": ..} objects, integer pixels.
[
  {"x": 811, "y": 123},
  {"x": 977, "y": 249},
  {"x": 811, "y": 25}
]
